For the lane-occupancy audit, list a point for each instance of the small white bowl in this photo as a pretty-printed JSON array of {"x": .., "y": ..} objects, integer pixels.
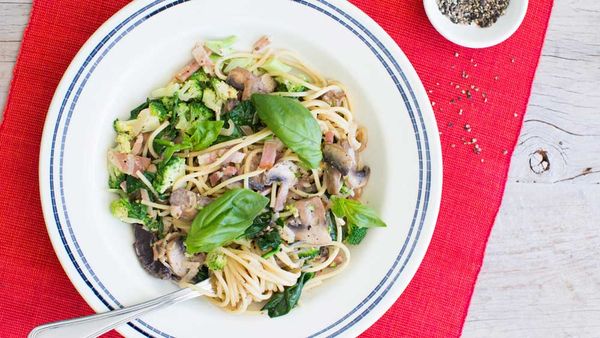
[{"x": 473, "y": 36}]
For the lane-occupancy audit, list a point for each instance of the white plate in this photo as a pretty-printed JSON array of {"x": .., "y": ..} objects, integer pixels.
[
  {"x": 473, "y": 36},
  {"x": 138, "y": 50}
]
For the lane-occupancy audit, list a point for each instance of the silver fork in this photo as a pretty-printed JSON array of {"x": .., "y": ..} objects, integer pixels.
[{"x": 95, "y": 325}]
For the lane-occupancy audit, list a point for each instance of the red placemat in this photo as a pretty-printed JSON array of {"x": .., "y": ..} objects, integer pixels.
[{"x": 480, "y": 97}]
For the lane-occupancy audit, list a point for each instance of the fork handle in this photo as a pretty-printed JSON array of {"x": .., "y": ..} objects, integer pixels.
[{"x": 95, "y": 325}]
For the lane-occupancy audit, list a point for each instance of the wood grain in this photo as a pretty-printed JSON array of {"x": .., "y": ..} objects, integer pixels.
[{"x": 541, "y": 274}]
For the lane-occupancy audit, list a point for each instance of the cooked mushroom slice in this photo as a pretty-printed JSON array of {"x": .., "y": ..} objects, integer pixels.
[
  {"x": 176, "y": 257},
  {"x": 184, "y": 204},
  {"x": 334, "y": 97},
  {"x": 311, "y": 225},
  {"x": 284, "y": 173},
  {"x": 359, "y": 178},
  {"x": 242, "y": 79},
  {"x": 338, "y": 157},
  {"x": 333, "y": 180},
  {"x": 143, "y": 250}
]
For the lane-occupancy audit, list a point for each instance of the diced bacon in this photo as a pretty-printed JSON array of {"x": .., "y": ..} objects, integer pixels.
[
  {"x": 261, "y": 43},
  {"x": 229, "y": 171},
  {"x": 207, "y": 158},
  {"x": 187, "y": 71},
  {"x": 202, "y": 56},
  {"x": 128, "y": 163},
  {"x": 123, "y": 186},
  {"x": 215, "y": 177},
  {"x": 236, "y": 157},
  {"x": 138, "y": 145},
  {"x": 329, "y": 137},
  {"x": 269, "y": 153}
]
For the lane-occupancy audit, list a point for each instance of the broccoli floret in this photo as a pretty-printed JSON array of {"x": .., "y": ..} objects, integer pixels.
[
  {"x": 182, "y": 110},
  {"x": 123, "y": 141},
  {"x": 200, "y": 112},
  {"x": 168, "y": 173},
  {"x": 221, "y": 47},
  {"x": 170, "y": 102},
  {"x": 238, "y": 62},
  {"x": 115, "y": 177},
  {"x": 285, "y": 85},
  {"x": 223, "y": 90},
  {"x": 144, "y": 122},
  {"x": 158, "y": 109},
  {"x": 167, "y": 91},
  {"x": 191, "y": 90},
  {"x": 210, "y": 99},
  {"x": 200, "y": 76},
  {"x": 216, "y": 260},
  {"x": 309, "y": 253},
  {"x": 128, "y": 211},
  {"x": 355, "y": 235},
  {"x": 276, "y": 66}
]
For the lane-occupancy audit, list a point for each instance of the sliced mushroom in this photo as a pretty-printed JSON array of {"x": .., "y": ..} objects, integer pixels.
[
  {"x": 143, "y": 250},
  {"x": 185, "y": 204},
  {"x": 334, "y": 97},
  {"x": 333, "y": 180},
  {"x": 243, "y": 79},
  {"x": 359, "y": 178},
  {"x": 176, "y": 257},
  {"x": 311, "y": 225},
  {"x": 284, "y": 173},
  {"x": 339, "y": 158}
]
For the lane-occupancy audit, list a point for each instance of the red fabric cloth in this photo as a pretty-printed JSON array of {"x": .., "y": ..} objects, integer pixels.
[{"x": 478, "y": 136}]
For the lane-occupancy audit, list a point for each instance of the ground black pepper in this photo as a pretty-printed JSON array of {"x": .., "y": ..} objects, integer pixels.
[{"x": 481, "y": 12}]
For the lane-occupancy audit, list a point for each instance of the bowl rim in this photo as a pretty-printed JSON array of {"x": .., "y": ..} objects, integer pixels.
[
  {"x": 431, "y": 9},
  {"x": 343, "y": 9}
]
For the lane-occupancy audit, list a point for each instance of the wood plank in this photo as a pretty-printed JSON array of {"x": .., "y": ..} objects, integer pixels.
[
  {"x": 541, "y": 275},
  {"x": 13, "y": 18},
  {"x": 562, "y": 125}
]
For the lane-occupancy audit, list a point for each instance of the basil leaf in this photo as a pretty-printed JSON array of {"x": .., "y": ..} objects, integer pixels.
[
  {"x": 356, "y": 214},
  {"x": 282, "y": 303},
  {"x": 224, "y": 220},
  {"x": 293, "y": 124}
]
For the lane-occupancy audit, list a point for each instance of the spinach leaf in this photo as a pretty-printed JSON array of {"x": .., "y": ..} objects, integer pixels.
[
  {"x": 259, "y": 224},
  {"x": 332, "y": 226},
  {"x": 136, "y": 111},
  {"x": 266, "y": 240},
  {"x": 282, "y": 303},
  {"x": 293, "y": 124},
  {"x": 133, "y": 184},
  {"x": 201, "y": 275},
  {"x": 355, "y": 213},
  {"x": 224, "y": 220},
  {"x": 269, "y": 240},
  {"x": 244, "y": 114},
  {"x": 201, "y": 135}
]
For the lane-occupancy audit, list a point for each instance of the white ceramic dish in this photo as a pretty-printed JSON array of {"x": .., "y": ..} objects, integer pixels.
[
  {"x": 139, "y": 49},
  {"x": 473, "y": 36}
]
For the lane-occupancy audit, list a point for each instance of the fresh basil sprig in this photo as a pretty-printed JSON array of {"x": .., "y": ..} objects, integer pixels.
[
  {"x": 282, "y": 303},
  {"x": 224, "y": 220},
  {"x": 356, "y": 213},
  {"x": 293, "y": 124}
]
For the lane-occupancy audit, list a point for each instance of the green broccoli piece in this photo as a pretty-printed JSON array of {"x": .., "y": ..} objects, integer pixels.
[
  {"x": 276, "y": 66},
  {"x": 168, "y": 91},
  {"x": 115, "y": 177},
  {"x": 200, "y": 112},
  {"x": 216, "y": 260},
  {"x": 145, "y": 121},
  {"x": 221, "y": 47},
  {"x": 210, "y": 99},
  {"x": 200, "y": 76},
  {"x": 182, "y": 112},
  {"x": 223, "y": 90},
  {"x": 168, "y": 172},
  {"x": 309, "y": 253},
  {"x": 191, "y": 90},
  {"x": 285, "y": 85},
  {"x": 158, "y": 109},
  {"x": 123, "y": 141},
  {"x": 170, "y": 102},
  {"x": 355, "y": 234},
  {"x": 128, "y": 211}
]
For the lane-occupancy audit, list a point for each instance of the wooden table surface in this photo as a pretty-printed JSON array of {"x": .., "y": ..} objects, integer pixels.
[{"x": 541, "y": 274}]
